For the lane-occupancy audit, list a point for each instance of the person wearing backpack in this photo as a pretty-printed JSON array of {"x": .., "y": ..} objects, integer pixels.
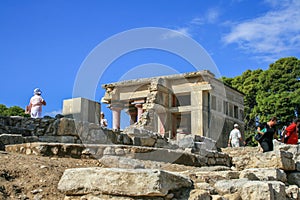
[
  {"x": 290, "y": 134},
  {"x": 266, "y": 141}
]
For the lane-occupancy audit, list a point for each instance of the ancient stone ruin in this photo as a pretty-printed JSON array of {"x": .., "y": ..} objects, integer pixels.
[
  {"x": 173, "y": 149},
  {"x": 134, "y": 163},
  {"x": 193, "y": 103}
]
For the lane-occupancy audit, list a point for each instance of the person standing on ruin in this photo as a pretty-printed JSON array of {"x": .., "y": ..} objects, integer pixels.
[
  {"x": 290, "y": 134},
  {"x": 235, "y": 137},
  {"x": 268, "y": 135},
  {"x": 103, "y": 121},
  {"x": 35, "y": 104}
]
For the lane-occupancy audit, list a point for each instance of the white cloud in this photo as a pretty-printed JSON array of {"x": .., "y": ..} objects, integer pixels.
[
  {"x": 184, "y": 31},
  {"x": 197, "y": 21},
  {"x": 211, "y": 16},
  {"x": 276, "y": 3},
  {"x": 53, "y": 113},
  {"x": 180, "y": 32},
  {"x": 276, "y": 32}
]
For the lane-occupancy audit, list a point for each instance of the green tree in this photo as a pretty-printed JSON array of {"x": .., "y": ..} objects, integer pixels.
[
  {"x": 247, "y": 83},
  {"x": 2, "y": 109},
  {"x": 12, "y": 111},
  {"x": 273, "y": 92},
  {"x": 279, "y": 90}
]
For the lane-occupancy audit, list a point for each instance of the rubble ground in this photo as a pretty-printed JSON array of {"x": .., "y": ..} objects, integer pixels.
[{"x": 34, "y": 177}]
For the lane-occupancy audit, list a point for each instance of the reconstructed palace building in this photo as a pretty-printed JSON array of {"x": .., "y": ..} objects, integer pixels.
[{"x": 194, "y": 103}]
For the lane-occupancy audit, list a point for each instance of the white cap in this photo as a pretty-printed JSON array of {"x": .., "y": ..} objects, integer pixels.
[
  {"x": 235, "y": 125},
  {"x": 37, "y": 91}
]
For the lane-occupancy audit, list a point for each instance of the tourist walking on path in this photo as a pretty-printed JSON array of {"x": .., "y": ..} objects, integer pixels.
[
  {"x": 235, "y": 137},
  {"x": 35, "y": 104},
  {"x": 290, "y": 134},
  {"x": 268, "y": 132}
]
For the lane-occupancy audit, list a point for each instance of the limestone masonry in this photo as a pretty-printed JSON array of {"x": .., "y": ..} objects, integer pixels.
[
  {"x": 192, "y": 103},
  {"x": 134, "y": 162},
  {"x": 173, "y": 149}
]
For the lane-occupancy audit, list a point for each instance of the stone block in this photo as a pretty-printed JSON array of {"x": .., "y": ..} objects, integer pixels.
[
  {"x": 199, "y": 194},
  {"x": 7, "y": 139},
  {"x": 229, "y": 186},
  {"x": 82, "y": 109},
  {"x": 121, "y": 162},
  {"x": 162, "y": 143},
  {"x": 294, "y": 178},
  {"x": 59, "y": 139},
  {"x": 257, "y": 190},
  {"x": 292, "y": 191},
  {"x": 264, "y": 174},
  {"x": 248, "y": 157},
  {"x": 66, "y": 126},
  {"x": 126, "y": 139},
  {"x": 214, "y": 176},
  {"x": 121, "y": 182},
  {"x": 107, "y": 197},
  {"x": 30, "y": 139},
  {"x": 144, "y": 141},
  {"x": 186, "y": 141}
]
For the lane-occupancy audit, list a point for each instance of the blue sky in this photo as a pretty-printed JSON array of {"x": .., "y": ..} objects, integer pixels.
[{"x": 44, "y": 43}]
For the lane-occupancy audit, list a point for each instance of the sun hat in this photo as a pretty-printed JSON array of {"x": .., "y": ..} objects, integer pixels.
[{"x": 37, "y": 91}]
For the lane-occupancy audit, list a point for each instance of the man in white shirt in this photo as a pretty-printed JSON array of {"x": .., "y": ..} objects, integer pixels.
[
  {"x": 235, "y": 137},
  {"x": 36, "y": 103}
]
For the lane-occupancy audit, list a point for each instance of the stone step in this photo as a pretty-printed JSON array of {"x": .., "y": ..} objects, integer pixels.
[{"x": 135, "y": 152}]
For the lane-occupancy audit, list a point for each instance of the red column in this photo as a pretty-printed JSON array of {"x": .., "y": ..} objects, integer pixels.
[
  {"x": 139, "y": 107},
  {"x": 116, "y": 115}
]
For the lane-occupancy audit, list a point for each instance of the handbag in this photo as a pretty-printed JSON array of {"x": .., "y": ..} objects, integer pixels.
[{"x": 258, "y": 137}]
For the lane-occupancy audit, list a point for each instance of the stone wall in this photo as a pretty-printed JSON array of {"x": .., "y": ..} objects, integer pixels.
[
  {"x": 135, "y": 163},
  {"x": 65, "y": 137},
  {"x": 16, "y": 130}
]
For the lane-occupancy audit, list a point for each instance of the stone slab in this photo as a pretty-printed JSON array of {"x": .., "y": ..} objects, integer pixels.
[{"x": 113, "y": 181}]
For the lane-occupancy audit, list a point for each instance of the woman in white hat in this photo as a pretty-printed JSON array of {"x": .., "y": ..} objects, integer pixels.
[{"x": 36, "y": 103}]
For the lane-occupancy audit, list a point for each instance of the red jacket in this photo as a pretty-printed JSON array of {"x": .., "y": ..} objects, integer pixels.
[{"x": 292, "y": 134}]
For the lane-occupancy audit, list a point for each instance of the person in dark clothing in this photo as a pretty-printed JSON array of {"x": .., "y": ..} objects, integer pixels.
[{"x": 268, "y": 132}]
